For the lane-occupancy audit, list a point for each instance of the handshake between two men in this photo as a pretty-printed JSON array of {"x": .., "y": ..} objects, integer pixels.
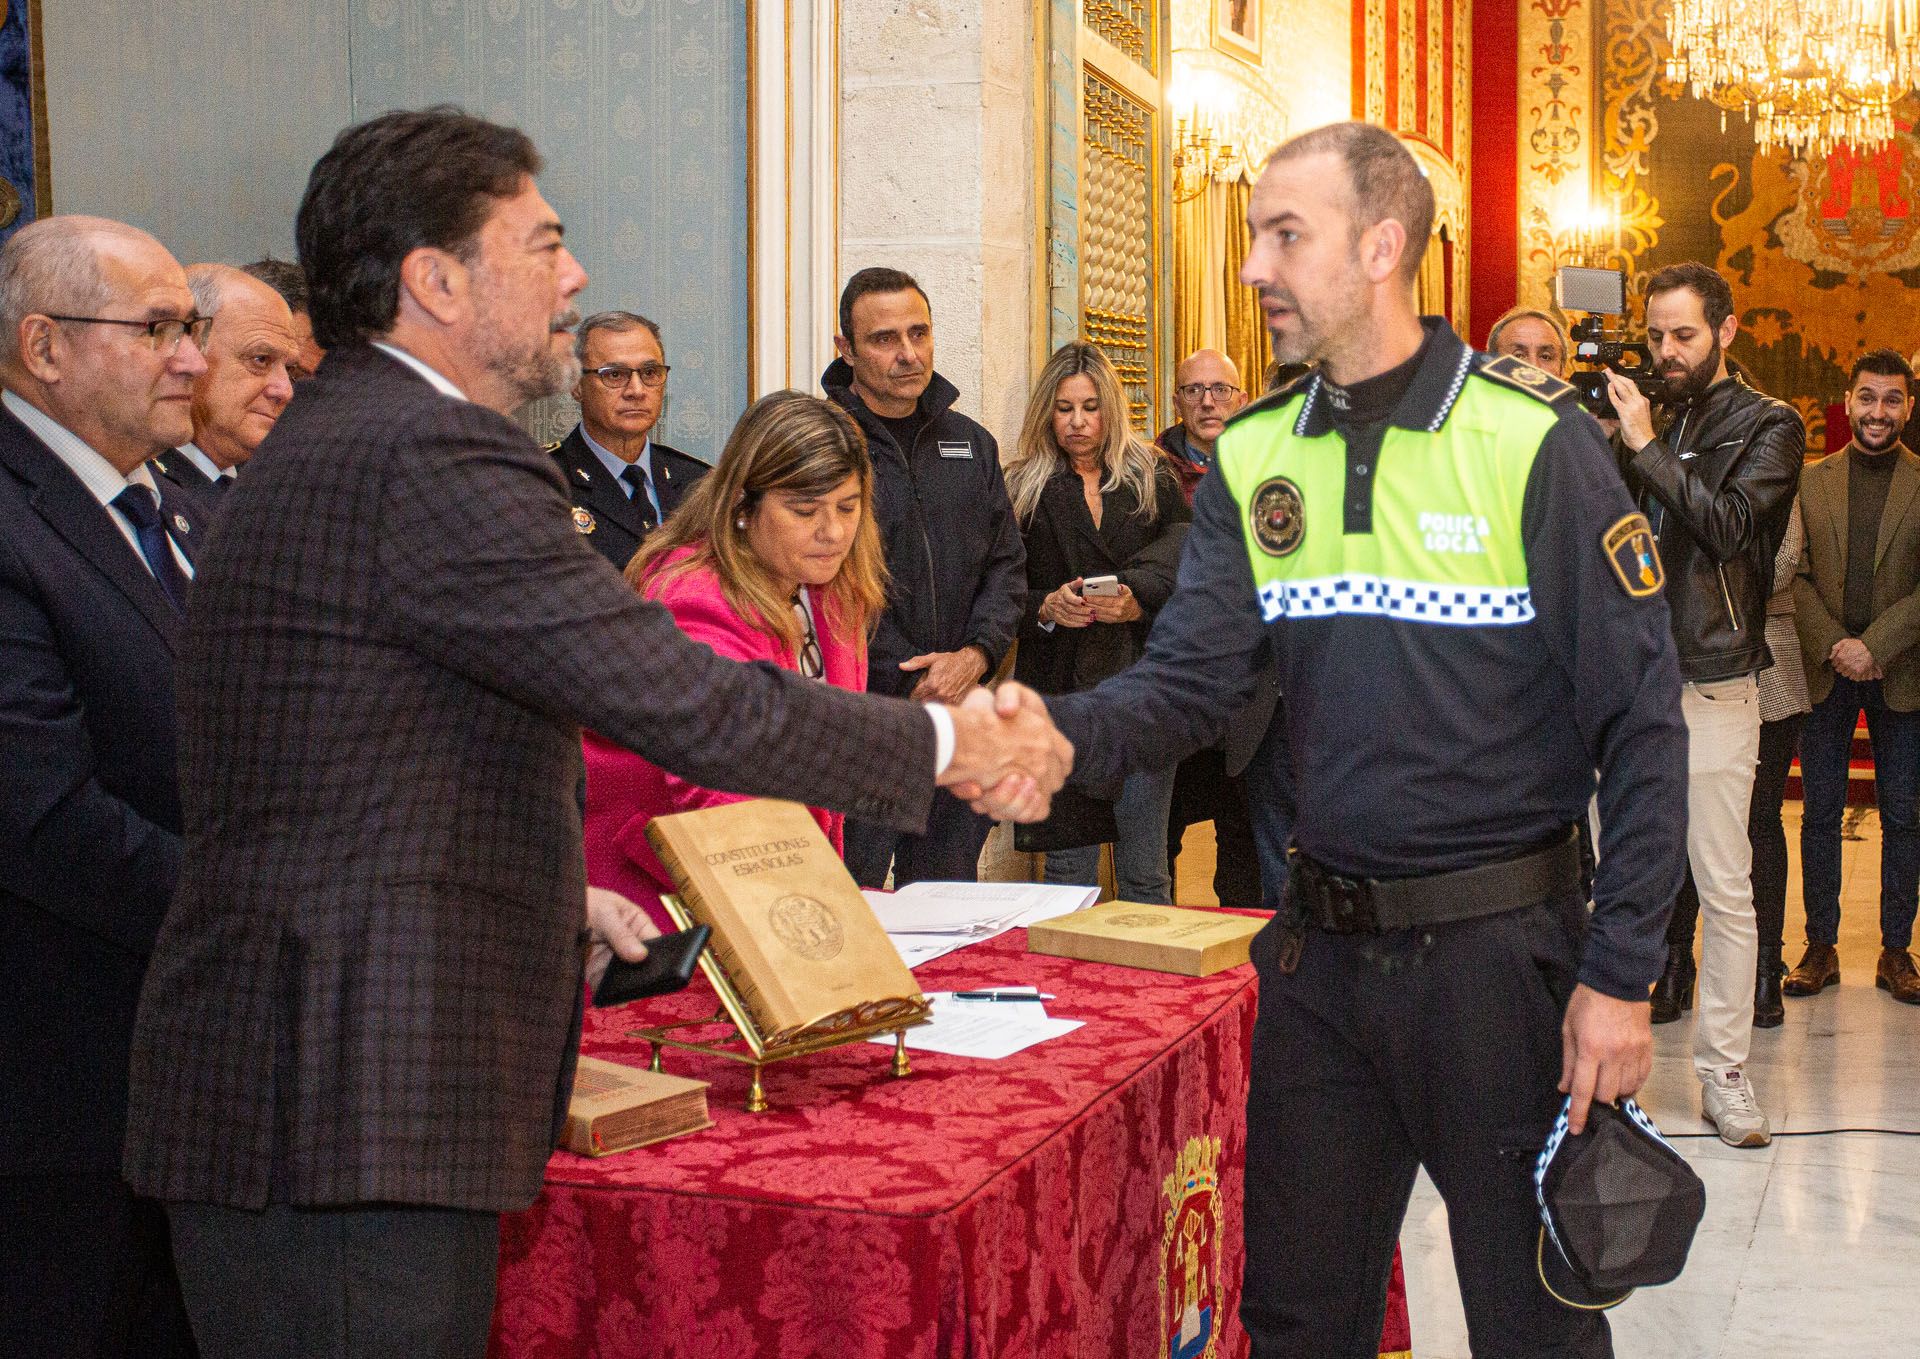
[{"x": 1008, "y": 757}]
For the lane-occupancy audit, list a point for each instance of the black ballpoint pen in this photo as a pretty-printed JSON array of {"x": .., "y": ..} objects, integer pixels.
[{"x": 1001, "y": 995}]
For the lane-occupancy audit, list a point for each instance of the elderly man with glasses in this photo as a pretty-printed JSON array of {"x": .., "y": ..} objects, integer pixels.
[
  {"x": 99, "y": 351},
  {"x": 1206, "y": 391},
  {"x": 621, "y": 482}
]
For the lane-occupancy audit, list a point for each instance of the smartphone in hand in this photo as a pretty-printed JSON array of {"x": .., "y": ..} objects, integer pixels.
[
  {"x": 667, "y": 968},
  {"x": 1101, "y": 587}
]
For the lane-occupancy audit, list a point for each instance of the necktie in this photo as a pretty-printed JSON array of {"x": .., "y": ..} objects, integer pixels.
[
  {"x": 636, "y": 477},
  {"x": 142, "y": 510}
]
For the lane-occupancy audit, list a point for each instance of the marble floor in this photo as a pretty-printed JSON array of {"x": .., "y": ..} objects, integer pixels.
[{"x": 1808, "y": 1245}]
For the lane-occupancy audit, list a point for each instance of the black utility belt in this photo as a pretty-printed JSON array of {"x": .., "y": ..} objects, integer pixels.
[{"x": 1339, "y": 904}]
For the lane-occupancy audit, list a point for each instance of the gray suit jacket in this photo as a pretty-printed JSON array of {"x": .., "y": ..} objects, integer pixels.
[
  {"x": 367, "y": 988},
  {"x": 1819, "y": 589}
]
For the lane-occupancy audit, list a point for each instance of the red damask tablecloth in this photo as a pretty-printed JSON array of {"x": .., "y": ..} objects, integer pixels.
[{"x": 1078, "y": 1200}]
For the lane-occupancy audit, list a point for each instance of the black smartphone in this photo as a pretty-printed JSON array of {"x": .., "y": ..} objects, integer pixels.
[{"x": 668, "y": 967}]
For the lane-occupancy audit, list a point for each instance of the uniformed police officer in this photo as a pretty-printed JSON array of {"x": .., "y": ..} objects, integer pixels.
[
  {"x": 621, "y": 482},
  {"x": 1466, "y": 610}
]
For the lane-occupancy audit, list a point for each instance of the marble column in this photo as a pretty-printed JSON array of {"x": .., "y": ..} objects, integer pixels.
[{"x": 937, "y": 177}]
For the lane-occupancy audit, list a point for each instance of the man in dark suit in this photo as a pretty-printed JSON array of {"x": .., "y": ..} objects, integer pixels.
[
  {"x": 621, "y": 482},
  {"x": 357, "y": 1035},
  {"x": 239, "y": 398},
  {"x": 98, "y": 357}
]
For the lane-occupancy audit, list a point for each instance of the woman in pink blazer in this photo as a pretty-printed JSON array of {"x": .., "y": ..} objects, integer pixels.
[{"x": 773, "y": 556}]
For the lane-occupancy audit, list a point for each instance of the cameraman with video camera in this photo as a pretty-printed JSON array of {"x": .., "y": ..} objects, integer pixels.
[{"x": 1717, "y": 483}]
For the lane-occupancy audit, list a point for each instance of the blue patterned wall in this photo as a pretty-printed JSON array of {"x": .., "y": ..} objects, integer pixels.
[
  {"x": 18, "y": 181},
  {"x": 200, "y": 121}
]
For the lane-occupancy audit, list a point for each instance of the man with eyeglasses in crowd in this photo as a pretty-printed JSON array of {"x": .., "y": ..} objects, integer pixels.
[
  {"x": 99, "y": 349},
  {"x": 621, "y": 482},
  {"x": 1209, "y": 785},
  {"x": 1206, "y": 391}
]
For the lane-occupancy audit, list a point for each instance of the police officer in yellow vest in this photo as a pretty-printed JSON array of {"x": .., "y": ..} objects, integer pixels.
[{"x": 1467, "y": 614}]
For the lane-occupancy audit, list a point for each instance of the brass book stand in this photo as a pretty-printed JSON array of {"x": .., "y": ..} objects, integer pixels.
[{"x": 743, "y": 1041}]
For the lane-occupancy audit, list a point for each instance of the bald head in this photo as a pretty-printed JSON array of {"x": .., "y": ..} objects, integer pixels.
[
  {"x": 55, "y": 265},
  {"x": 238, "y": 400},
  {"x": 1206, "y": 390},
  {"x": 77, "y": 295}
]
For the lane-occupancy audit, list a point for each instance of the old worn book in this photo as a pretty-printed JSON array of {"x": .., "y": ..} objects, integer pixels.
[
  {"x": 1159, "y": 938},
  {"x": 790, "y": 928},
  {"x": 616, "y": 1108}
]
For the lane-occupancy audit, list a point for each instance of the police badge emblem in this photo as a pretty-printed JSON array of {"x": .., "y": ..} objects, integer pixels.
[
  {"x": 1190, "y": 1247},
  {"x": 1279, "y": 516},
  {"x": 583, "y": 520},
  {"x": 1634, "y": 556}
]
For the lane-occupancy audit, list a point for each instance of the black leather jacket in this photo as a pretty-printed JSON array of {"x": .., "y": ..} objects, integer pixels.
[{"x": 1718, "y": 484}]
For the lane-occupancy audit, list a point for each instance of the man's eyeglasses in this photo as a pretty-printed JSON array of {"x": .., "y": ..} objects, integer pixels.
[
  {"x": 614, "y": 376},
  {"x": 1219, "y": 391},
  {"x": 164, "y": 335}
]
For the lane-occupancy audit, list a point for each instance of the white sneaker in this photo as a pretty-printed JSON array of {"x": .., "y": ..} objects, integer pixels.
[{"x": 1727, "y": 1102}]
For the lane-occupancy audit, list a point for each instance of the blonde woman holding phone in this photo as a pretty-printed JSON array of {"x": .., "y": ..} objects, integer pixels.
[{"x": 1103, "y": 520}]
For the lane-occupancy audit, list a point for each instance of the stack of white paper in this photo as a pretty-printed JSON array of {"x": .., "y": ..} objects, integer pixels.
[
  {"x": 927, "y": 920},
  {"x": 987, "y": 1029}
]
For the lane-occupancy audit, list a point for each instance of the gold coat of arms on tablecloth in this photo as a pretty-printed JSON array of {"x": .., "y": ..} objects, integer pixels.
[{"x": 1190, "y": 1253}]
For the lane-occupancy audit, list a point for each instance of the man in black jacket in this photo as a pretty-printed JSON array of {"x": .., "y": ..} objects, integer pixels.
[
  {"x": 954, "y": 556},
  {"x": 1717, "y": 485}
]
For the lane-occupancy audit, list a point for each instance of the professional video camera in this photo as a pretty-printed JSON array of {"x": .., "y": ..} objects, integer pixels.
[{"x": 1596, "y": 349}]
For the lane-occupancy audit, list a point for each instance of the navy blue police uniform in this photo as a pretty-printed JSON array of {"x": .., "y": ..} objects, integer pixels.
[{"x": 1441, "y": 739}]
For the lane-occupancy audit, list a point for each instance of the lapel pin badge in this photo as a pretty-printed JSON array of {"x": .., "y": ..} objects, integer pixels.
[{"x": 180, "y": 522}]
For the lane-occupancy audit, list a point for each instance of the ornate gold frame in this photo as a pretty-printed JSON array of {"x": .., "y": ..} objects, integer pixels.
[{"x": 746, "y": 1043}]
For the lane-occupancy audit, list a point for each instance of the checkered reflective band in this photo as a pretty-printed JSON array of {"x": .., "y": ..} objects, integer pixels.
[{"x": 1410, "y": 601}]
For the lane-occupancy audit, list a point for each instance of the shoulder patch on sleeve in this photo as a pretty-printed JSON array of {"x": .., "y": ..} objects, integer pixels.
[
  {"x": 1524, "y": 377},
  {"x": 1634, "y": 556}
]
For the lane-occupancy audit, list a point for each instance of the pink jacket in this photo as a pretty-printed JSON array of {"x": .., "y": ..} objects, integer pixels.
[{"x": 624, "y": 791}]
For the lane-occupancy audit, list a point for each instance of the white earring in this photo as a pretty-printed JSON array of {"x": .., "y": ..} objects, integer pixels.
[{"x": 741, "y": 523}]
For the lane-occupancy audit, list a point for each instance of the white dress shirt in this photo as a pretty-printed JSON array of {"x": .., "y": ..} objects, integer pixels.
[{"x": 212, "y": 470}]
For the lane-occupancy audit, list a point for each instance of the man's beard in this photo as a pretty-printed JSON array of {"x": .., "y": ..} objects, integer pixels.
[
  {"x": 531, "y": 370},
  {"x": 1885, "y": 441},
  {"x": 1685, "y": 386}
]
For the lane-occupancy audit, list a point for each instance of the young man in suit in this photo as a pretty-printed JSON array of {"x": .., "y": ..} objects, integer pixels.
[
  {"x": 1858, "y": 616},
  {"x": 355, "y": 1043},
  {"x": 237, "y": 401},
  {"x": 98, "y": 353},
  {"x": 621, "y": 482}
]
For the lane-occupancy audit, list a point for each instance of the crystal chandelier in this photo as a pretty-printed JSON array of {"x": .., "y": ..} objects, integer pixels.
[{"x": 1809, "y": 74}]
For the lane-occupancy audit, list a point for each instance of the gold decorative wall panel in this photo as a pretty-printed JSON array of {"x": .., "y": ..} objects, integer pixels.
[
  {"x": 1118, "y": 302},
  {"x": 1128, "y": 25},
  {"x": 1822, "y": 253},
  {"x": 1555, "y": 169}
]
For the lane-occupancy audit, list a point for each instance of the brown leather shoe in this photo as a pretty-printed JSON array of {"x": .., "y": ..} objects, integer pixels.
[
  {"x": 1897, "y": 976},
  {"x": 1819, "y": 968}
]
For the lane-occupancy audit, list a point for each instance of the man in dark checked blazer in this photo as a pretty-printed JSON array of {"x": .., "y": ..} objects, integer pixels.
[
  {"x": 356, "y": 1039},
  {"x": 95, "y": 557}
]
